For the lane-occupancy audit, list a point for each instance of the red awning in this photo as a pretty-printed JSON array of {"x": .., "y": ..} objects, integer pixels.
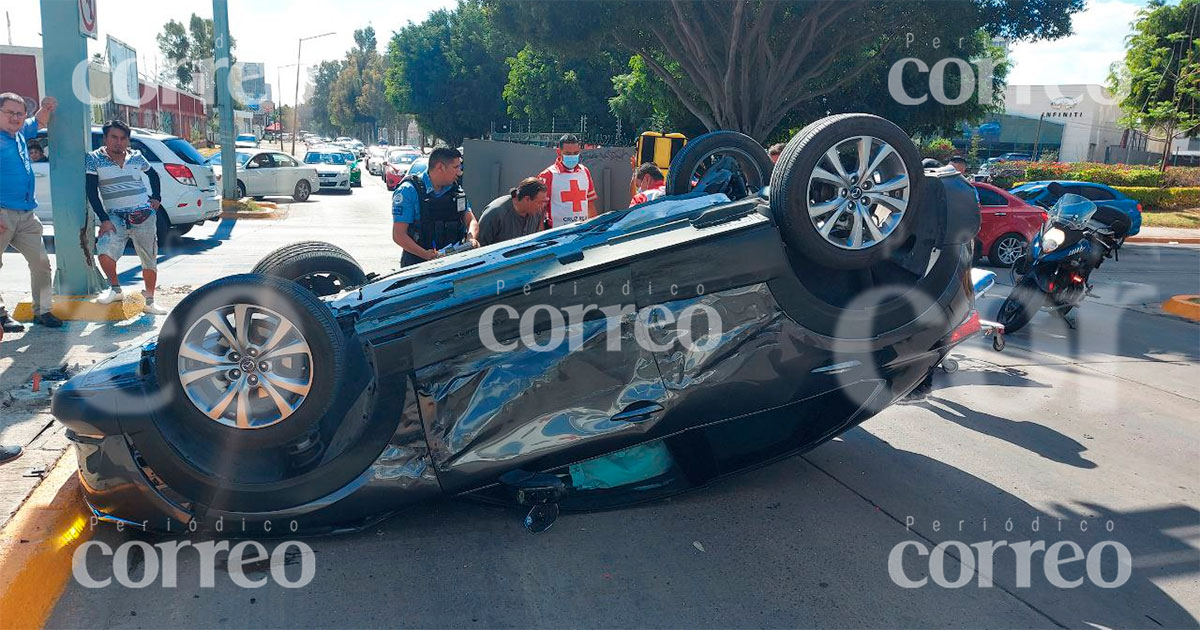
[{"x": 273, "y": 127}]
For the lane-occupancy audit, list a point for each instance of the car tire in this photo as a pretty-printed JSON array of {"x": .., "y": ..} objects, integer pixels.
[
  {"x": 691, "y": 164},
  {"x": 303, "y": 191},
  {"x": 808, "y": 187},
  {"x": 1007, "y": 250},
  {"x": 311, "y": 327},
  {"x": 322, "y": 268},
  {"x": 241, "y": 190},
  {"x": 162, "y": 227},
  {"x": 180, "y": 230}
]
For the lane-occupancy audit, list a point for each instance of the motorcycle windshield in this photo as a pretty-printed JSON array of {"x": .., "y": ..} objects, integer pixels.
[{"x": 1073, "y": 209}]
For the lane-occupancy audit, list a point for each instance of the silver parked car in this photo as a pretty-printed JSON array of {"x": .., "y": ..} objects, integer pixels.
[{"x": 269, "y": 174}]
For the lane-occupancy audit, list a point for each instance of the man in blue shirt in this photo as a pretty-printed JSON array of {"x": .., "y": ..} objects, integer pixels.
[
  {"x": 19, "y": 226},
  {"x": 430, "y": 211}
]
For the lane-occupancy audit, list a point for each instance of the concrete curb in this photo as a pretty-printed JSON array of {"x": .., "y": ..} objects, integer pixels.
[
  {"x": 37, "y": 546},
  {"x": 272, "y": 214},
  {"x": 1165, "y": 240},
  {"x": 1186, "y": 306},
  {"x": 81, "y": 308}
]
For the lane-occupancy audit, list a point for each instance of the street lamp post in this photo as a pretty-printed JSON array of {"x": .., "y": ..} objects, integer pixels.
[{"x": 296, "y": 101}]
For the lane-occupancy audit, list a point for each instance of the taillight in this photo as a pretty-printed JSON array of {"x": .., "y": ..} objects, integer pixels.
[
  {"x": 1045, "y": 217},
  {"x": 1076, "y": 278},
  {"x": 181, "y": 173},
  {"x": 969, "y": 327},
  {"x": 1139, "y": 207}
]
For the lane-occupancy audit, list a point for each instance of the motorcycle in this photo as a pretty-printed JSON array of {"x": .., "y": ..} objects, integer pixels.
[{"x": 1054, "y": 275}]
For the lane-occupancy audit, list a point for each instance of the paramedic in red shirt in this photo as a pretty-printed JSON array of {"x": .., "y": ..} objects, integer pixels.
[
  {"x": 572, "y": 196},
  {"x": 650, "y": 184}
]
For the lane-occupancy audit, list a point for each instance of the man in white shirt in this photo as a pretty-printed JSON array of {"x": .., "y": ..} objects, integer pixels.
[{"x": 118, "y": 195}]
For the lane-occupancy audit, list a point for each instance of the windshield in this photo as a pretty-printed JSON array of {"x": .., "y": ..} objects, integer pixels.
[
  {"x": 1073, "y": 209},
  {"x": 1028, "y": 194},
  {"x": 402, "y": 158},
  {"x": 324, "y": 158},
  {"x": 184, "y": 150},
  {"x": 242, "y": 158}
]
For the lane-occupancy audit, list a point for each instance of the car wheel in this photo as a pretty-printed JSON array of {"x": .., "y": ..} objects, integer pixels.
[
  {"x": 322, "y": 268},
  {"x": 846, "y": 190},
  {"x": 180, "y": 230},
  {"x": 241, "y": 190},
  {"x": 1007, "y": 250},
  {"x": 162, "y": 227},
  {"x": 720, "y": 162},
  {"x": 302, "y": 192},
  {"x": 249, "y": 361}
]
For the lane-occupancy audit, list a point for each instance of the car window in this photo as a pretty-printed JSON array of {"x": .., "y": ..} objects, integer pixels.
[
  {"x": 144, "y": 150},
  {"x": 324, "y": 158},
  {"x": 990, "y": 197},
  {"x": 184, "y": 150},
  {"x": 284, "y": 160},
  {"x": 262, "y": 160},
  {"x": 1096, "y": 193},
  {"x": 1028, "y": 194}
]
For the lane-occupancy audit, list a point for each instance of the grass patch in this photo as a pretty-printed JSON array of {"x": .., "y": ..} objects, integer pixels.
[
  {"x": 208, "y": 152},
  {"x": 1172, "y": 219}
]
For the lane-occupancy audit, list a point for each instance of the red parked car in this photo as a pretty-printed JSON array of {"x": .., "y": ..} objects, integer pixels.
[
  {"x": 1008, "y": 225},
  {"x": 396, "y": 165}
]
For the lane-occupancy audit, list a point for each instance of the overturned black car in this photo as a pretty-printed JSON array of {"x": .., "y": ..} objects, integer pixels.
[{"x": 641, "y": 354}]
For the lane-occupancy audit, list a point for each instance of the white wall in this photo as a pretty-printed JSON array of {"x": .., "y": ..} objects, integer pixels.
[{"x": 1089, "y": 113}]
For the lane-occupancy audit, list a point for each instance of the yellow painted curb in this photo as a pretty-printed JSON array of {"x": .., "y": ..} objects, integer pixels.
[
  {"x": 1184, "y": 306},
  {"x": 76, "y": 308},
  {"x": 38, "y": 544}
]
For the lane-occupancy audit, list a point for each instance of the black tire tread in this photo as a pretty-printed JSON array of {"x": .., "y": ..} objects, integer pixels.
[{"x": 678, "y": 177}]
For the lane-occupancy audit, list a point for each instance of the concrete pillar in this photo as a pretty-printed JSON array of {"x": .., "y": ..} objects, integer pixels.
[
  {"x": 224, "y": 100},
  {"x": 64, "y": 58}
]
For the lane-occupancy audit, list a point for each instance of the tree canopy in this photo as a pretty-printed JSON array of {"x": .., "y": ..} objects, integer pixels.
[
  {"x": 1162, "y": 72},
  {"x": 748, "y": 65},
  {"x": 449, "y": 72},
  {"x": 187, "y": 49}
]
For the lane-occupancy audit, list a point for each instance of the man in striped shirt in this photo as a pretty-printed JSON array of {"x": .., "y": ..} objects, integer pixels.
[{"x": 117, "y": 192}]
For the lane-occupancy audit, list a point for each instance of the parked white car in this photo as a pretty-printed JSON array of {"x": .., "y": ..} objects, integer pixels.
[
  {"x": 246, "y": 141},
  {"x": 189, "y": 188},
  {"x": 376, "y": 156},
  {"x": 333, "y": 169},
  {"x": 263, "y": 173}
]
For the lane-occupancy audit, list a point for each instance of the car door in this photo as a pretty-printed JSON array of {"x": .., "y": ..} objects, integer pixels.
[
  {"x": 259, "y": 176},
  {"x": 994, "y": 212},
  {"x": 287, "y": 173}
]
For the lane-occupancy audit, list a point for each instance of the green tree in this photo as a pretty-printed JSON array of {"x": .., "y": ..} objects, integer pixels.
[
  {"x": 550, "y": 90},
  {"x": 449, "y": 72},
  {"x": 1162, "y": 72},
  {"x": 748, "y": 65},
  {"x": 644, "y": 103},
  {"x": 318, "y": 97},
  {"x": 175, "y": 46}
]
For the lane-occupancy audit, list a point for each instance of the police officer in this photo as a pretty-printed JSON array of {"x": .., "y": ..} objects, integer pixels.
[{"x": 430, "y": 210}]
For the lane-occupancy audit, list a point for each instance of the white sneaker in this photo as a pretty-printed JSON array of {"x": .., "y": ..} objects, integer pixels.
[
  {"x": 154, "y": 309},
  {"x": 108, "y": 296}
]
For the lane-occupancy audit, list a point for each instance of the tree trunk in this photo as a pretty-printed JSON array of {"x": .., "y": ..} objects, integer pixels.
[{"x": 1166, "y": 156}]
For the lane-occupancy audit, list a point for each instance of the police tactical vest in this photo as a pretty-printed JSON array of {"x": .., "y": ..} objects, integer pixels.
[{"x": 439, "y": 222}]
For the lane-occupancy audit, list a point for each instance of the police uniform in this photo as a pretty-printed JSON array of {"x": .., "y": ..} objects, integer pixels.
[{"x": 438, "y": 221}]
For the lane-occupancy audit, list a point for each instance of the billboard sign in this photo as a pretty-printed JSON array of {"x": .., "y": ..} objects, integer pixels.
[
  {"x": 251, "y": 80},
  {"x": 122, "y": 62},
  {"x": 87, "y": 18}
]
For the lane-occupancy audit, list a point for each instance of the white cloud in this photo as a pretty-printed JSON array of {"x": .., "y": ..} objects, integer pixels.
[{"x": 1099, "y": 40}]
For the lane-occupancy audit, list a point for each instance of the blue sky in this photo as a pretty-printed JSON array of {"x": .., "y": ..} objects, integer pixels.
[{"x": 266, "y": 31}]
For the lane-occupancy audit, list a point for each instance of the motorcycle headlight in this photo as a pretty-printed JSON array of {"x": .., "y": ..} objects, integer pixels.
[{"x": 1052, "y": 239}]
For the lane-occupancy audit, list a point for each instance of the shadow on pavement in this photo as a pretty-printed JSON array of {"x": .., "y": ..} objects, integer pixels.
[{"x": 1030, "y": 436}]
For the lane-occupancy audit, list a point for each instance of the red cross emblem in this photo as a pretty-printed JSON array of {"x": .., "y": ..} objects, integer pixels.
[{"x": 576, "y": 196}]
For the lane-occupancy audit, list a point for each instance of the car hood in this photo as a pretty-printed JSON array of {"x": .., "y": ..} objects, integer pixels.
[
  {"x": 427, "y": 290},
  {"x": 332, "y": 169}
]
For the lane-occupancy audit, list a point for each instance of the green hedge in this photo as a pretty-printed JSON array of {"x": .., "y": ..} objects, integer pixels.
[
  {"x": 1163, "y": 199},
  {"x": 1110, "y": 174}
]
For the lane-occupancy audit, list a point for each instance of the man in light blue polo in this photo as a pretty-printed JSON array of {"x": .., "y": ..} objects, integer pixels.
[
  {"x": 19, "y": 226},
  {"x": 430, "y": 210}
]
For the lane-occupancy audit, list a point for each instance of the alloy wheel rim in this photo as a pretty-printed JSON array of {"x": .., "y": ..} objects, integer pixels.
[
  {"x": 245, "y": 366},
  {"x": 1010, "y": 250},
  {"x": 858, "y": 193}
]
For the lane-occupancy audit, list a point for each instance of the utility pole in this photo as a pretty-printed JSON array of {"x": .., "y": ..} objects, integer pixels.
[
  {"x": 1037, "y": 141},
  {"x": 224, "y": 100},
  {"x": 63, "y": 50},
  {"x": 296, "y": 102}
]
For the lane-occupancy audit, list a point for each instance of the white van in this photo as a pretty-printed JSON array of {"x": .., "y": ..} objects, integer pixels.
[{"x": 189, "y": 188}]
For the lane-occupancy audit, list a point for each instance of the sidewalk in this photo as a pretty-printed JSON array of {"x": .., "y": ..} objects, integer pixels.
[
  {"x": 25, "y": 415},
  {"x": 1182, "y": 236}
]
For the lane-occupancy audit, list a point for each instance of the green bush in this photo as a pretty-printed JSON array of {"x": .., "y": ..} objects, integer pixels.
[
  {"x": 939, "y": 149},
  {"x": 1155, "y": 199},
  {"x": 1109, "y": 174},
  {"x": 1182, "y": 176},
  {"x": 1007, "y": 174}
]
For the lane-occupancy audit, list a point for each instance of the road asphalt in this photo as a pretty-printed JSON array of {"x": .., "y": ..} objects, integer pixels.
[{"x": 1068, "y": 429}]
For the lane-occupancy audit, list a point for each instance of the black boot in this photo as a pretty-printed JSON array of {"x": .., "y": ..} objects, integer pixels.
[{"x": 9, "y": 324}]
